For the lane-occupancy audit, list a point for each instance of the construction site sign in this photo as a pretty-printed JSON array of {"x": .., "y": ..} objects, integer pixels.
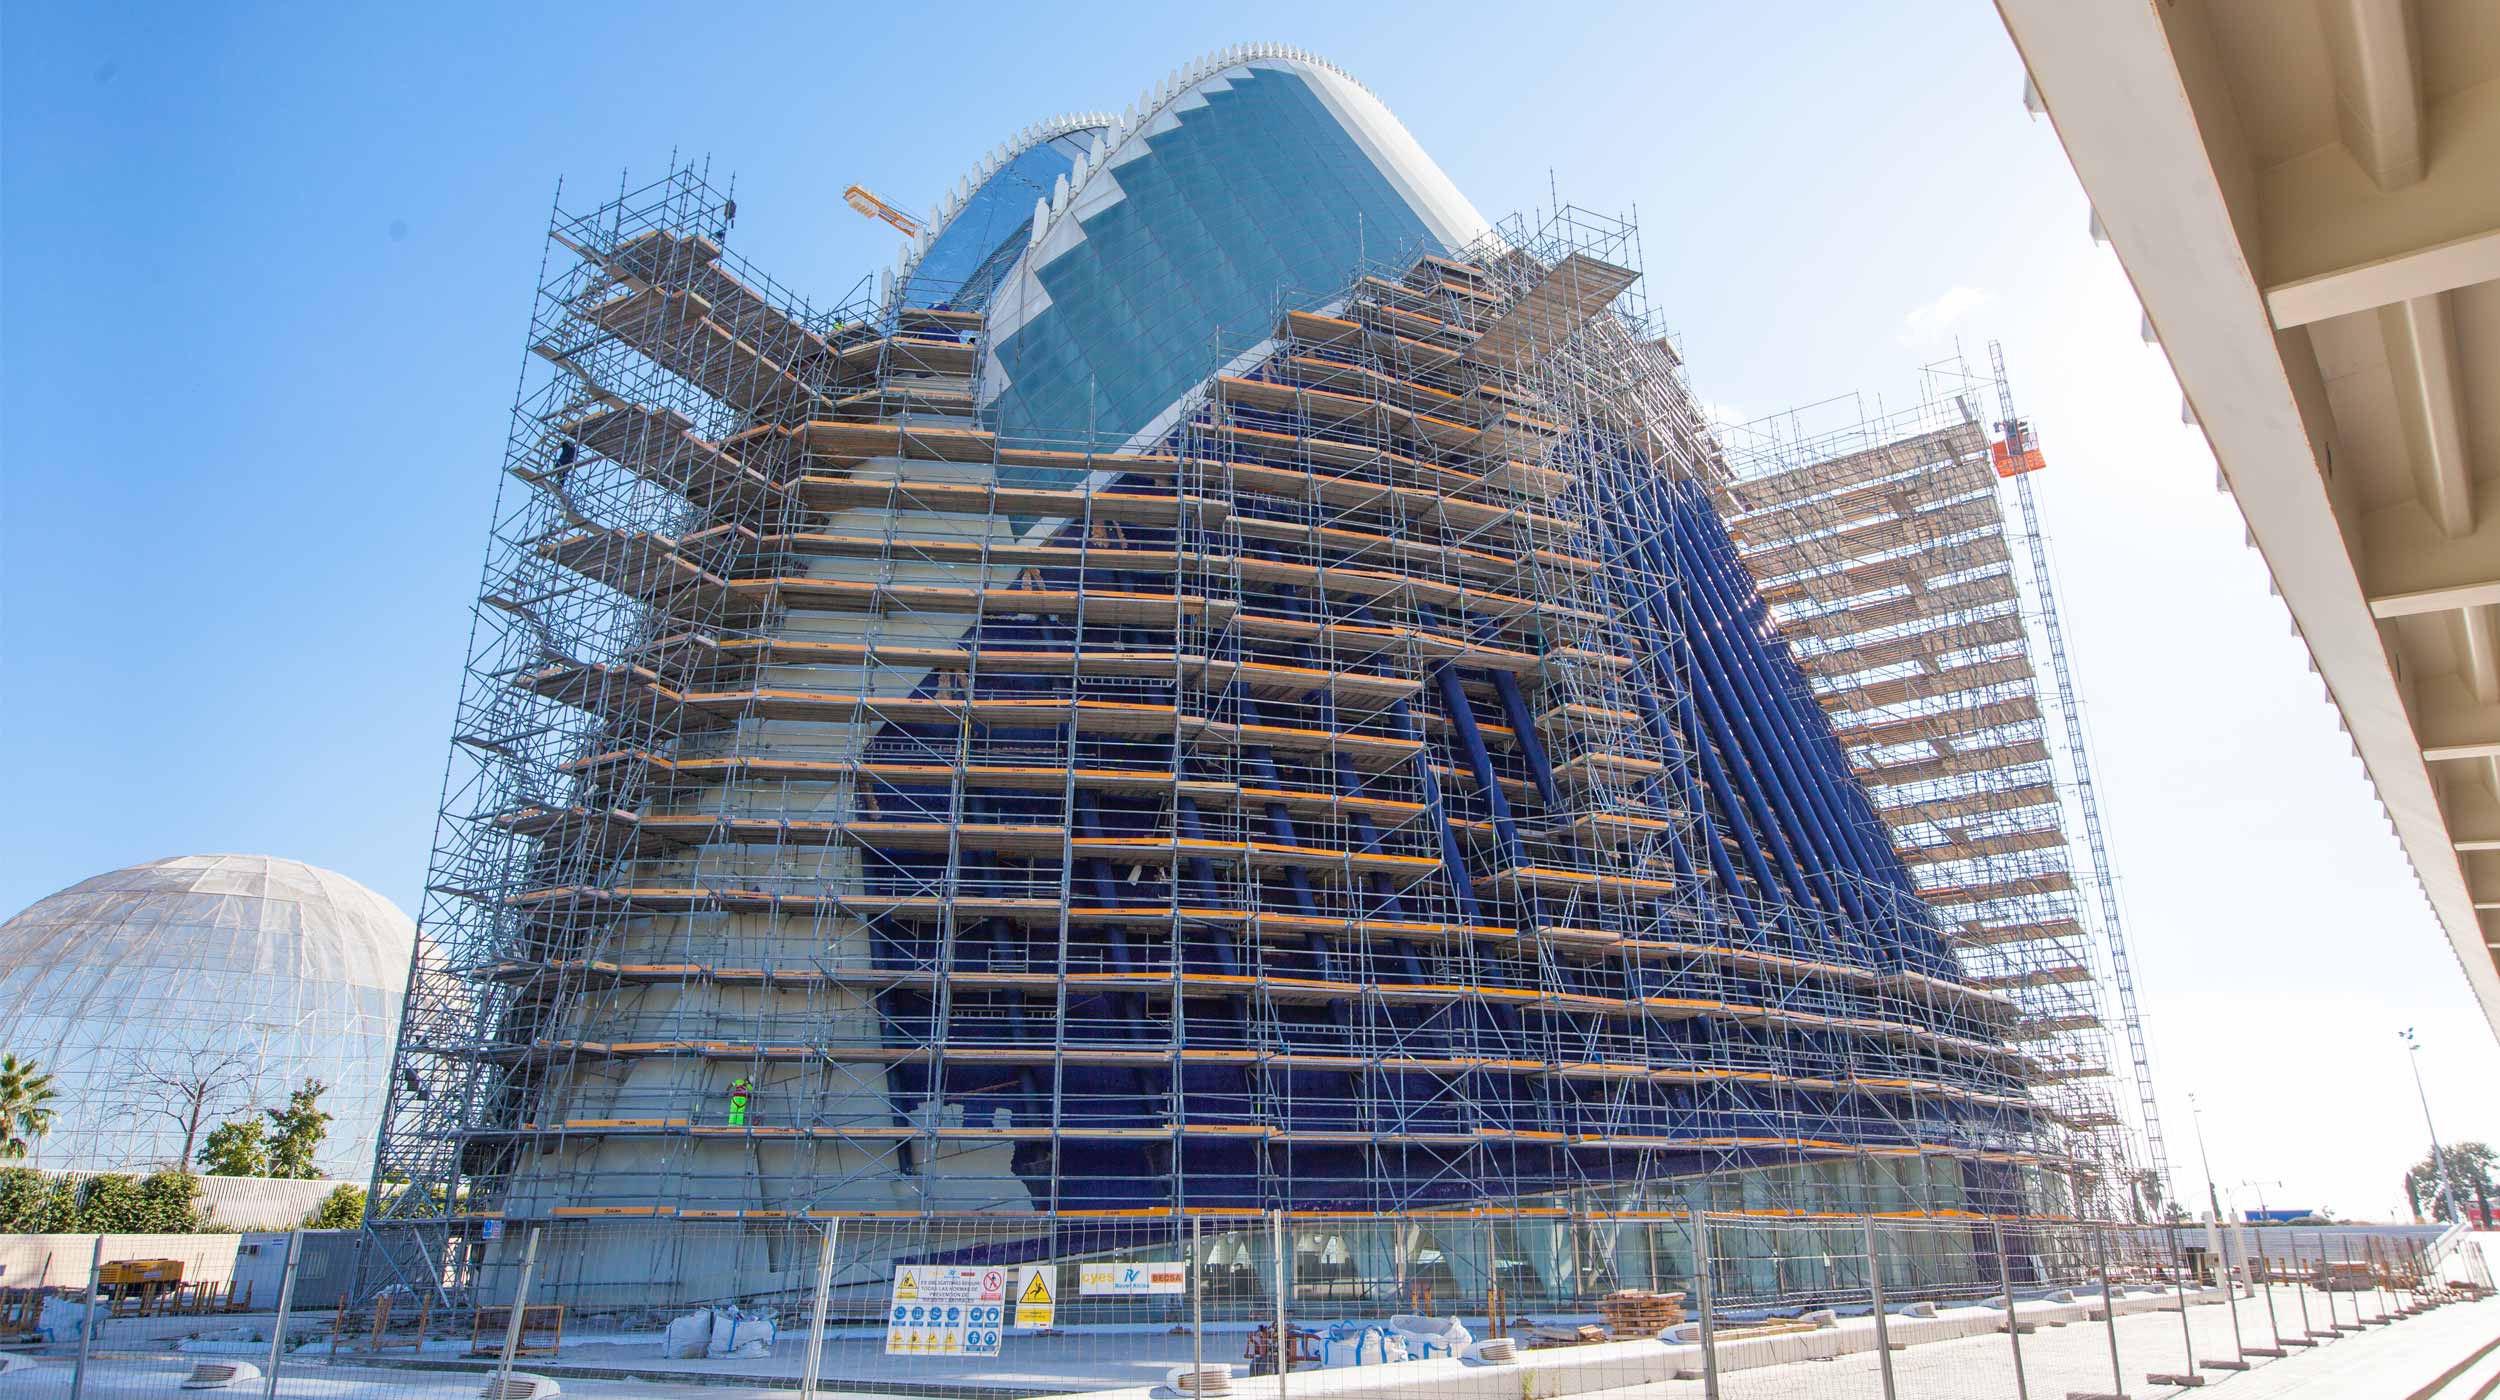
[
  {"x": 1131, "y": 1280},
  {"x": 939, "y": 1311},
  {"x": 1037, "y": 1295}
]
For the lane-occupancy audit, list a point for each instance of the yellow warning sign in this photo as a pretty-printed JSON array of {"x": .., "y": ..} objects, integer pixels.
[
  {"x": 907, "y": 1287},
  {"x": 1037, "y": 1288}
]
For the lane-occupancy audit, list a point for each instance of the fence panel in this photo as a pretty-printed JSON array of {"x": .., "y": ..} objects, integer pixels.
[{"x": 1782, "y": 1306}]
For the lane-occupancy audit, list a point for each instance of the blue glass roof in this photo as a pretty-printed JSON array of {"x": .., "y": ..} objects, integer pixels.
[
  {"x": 1260, "y": 192},
  {"x": 995, "y": 220}
]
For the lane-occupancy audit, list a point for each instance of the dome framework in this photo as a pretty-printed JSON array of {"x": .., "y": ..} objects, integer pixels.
[{"x": 171, "y": 996}]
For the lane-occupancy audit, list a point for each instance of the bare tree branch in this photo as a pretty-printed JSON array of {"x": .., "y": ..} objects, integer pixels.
[{"x": 189, "y": 1091}]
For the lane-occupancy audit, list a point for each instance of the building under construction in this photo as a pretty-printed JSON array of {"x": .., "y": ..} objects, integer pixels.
[
  {"x": 1924, "y": 614},
  {"x": 1224, "y": 682}
]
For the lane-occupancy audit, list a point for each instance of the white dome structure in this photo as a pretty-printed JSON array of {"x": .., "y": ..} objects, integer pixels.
[{"x": 171, "y": 996}]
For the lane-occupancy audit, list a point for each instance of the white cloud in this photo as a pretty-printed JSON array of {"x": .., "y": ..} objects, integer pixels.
[{"x": 1935, "y": 320}]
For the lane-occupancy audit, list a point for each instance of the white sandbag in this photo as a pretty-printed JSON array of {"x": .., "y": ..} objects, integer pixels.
[
  {"x": 689, "y": 1336},
  {"x": 739, "y": 1335},
  {"x": 1347, "y": 1344},
  {"x": 1429, "y": 1337}
]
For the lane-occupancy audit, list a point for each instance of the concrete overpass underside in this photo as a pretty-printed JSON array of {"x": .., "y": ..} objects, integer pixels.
[{"x": 2307, "y": 199}]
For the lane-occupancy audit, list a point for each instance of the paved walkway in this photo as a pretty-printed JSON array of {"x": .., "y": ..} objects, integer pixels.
[{"x": 2394, "y": 1362}]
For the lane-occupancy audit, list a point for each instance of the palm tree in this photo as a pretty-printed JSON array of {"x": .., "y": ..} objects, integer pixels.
[{"x": 25, "y": 1095}]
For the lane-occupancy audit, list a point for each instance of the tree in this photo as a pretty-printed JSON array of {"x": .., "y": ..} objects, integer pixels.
[
  {"x": 342, "y": 1209},
  {"x": 190, "y": 1092},
  {"x": 162, "y": 1203},
  {"x": 26, "y": 1095},
  {"x": 24, "y": 1192},
  {"x": 296, "y": 1132},
  {"x": 2144, "y": 1185},
  {"x": 237, "y": 1148},
  {"x": 2471, "y": 1167}
]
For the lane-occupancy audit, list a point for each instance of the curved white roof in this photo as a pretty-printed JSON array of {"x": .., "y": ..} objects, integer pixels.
[
  {"x": 258, "y": 970},
  {"x": 1118, "y": 138},
  {"x": 225, "y": 913}
]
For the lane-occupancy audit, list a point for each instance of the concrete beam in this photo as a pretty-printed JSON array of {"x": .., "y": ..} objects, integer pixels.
[
  {"x": 2408, "y": 561},
  {"x": 2318, "y": 212},
  {"x": 2420, "y": 272},
  {"x": 2451, "y": 721},
  {"x": 2422, "y": 356},
  {"x": 2378, "y": 88},
  {"x": 2478, "y": 647},
  {"x": 2477, "y": 593}
]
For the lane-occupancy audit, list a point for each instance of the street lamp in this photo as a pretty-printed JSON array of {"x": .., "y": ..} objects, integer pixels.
[
  {"x": 2213, "y": 1197},
  {"x": 2260, "y": 1188},
  {"x": 2222, "y": 1261},
  {"x": 2439, "y": 1160}
]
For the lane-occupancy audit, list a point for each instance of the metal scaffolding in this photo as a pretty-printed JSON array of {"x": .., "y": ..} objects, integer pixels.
[
  {"x": 1370, "y": 789},
  {"x": 1926, "y": 620}
]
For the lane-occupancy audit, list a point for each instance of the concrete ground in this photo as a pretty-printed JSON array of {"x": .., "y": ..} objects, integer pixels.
[{"x": 2391, "y": 1361}]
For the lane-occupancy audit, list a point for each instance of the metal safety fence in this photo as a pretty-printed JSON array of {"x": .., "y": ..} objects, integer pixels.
[{"x": 1725, "y": 1305}]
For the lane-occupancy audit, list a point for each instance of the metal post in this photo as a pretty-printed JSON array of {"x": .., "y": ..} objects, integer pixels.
[
  {"x": 2378, "y": 1282},
  {"x": 2346, "y": 1247},
  {"x": 1284, "y": 1290},
  {"x": 2300, "y": 1294},
  {"x": 1875, "y": 1291},
  {"x": 2187, "y": 1333},
  {"x": 2326, "y": 1276},
  {"x": 2439, "y": 1159},
  {"x": 86, "y": 1323},
  {"x": 1492, "y": 1282},
  {"x": 2273, "y": 1329},
  {"x": 286, "y": 1304},
  {"x": 2231, "y": 1300},
  {"x": 2343, "y": 1246},
  {"x": 2013, "y": 1322},
  {"x": 1701, "y": 1293},
  {"x": 1197, "y": 1309},
  {"x": 824, "y": 1299},
  {"x": 2109, "y": 1315},
  {"x": 2306, "y": 1326},
  {"x": 512, "y": 1329}
]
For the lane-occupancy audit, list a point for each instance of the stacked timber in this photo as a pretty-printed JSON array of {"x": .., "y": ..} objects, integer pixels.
[{"x": 1640, "y": 1312}]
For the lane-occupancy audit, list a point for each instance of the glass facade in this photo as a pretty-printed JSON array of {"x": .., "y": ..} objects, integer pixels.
[
  {"x": 990, "y": 229},
  {"x": 1259, "y": 199}
]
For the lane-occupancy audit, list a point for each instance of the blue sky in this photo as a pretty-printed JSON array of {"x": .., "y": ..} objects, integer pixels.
[{"x": 266, "y": 275}]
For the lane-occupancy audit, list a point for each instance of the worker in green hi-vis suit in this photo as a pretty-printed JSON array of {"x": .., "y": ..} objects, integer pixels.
[{"x": 741, "y": 1089}]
